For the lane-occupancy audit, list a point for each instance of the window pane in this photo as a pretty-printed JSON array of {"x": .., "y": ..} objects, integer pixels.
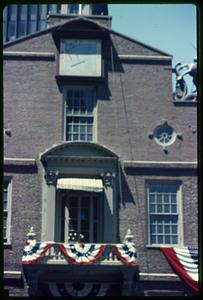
[
  {"x": 173, "y": 198},
  {"x": 174, "y": 239},
  {"x": 173, "y": 209},
  {"x": 32, "y": 18},
  {"x": 82, "y": 129},
  {"x": 73, "y": 8},
  {"x": 73, "y": 225},
  {"x": 159, "y": 208},
  {"x": 152, "y": 208},
  {"x": 73, "y": 213},
  {"x": 75, "y": 128},
  {"x": 153, "y": 229},
  {"x": 85, "y": 202},
  {"x": 75, "y": 137},
  {"x": 166, "y": 198},
  {"x": 152, "y": 198},
  {"x": 167, "y": 229},
  {"x": 160, "y": 239},
  {"x": 166, "y": 208},
  {"x": 11, "y": 29},
  {"x": 89, "y": 129},
  {"x": 73, "y": 202},
  {"x": 84, "y": 225},
  {"x": 160, "y": 229},
  {"x": 159, "y": 198},
  {"x": 82, "y": 137},
  {"x": 89, "y": 138},
  {"x": 153, "y": 239},
  {"x": 167, "y": 239},
  {"x": 174, "y": 229}
]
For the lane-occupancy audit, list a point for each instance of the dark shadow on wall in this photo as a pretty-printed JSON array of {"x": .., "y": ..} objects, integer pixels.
[
  {"x": 126, "y": 196},
  {"x": 22, "y": 169}
]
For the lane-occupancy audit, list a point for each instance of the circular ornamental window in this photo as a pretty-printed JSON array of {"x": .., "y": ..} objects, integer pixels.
[{"x": 164, "y": 134}]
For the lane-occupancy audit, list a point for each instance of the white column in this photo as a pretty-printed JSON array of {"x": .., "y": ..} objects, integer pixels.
[
  {"x": 64, "y": 9},
  {"x": 80, "y": 9},
  {"x": 110, "y": 214},
  {"x": 51, "y": 207}
]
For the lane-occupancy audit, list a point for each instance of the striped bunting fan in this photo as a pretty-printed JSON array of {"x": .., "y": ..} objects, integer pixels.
[{"x": 184, "y": 261}]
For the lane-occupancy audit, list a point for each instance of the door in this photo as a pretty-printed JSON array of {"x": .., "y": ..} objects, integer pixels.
[{"x": 82, "y": 215}]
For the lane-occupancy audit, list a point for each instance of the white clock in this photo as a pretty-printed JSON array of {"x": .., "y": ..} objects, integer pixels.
[{"x": 80, "y": 57}]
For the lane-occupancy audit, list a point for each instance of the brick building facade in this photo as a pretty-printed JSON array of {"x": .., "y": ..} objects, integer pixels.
[{"x": 120, "y": 128}]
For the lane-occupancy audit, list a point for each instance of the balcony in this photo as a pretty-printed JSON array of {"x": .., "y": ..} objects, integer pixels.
[
  {"x": 79, "y": 254},
  {"x": 79, "y": 262}
]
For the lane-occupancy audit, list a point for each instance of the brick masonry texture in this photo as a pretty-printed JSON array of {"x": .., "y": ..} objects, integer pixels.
[{"x": 134, "y": 98}]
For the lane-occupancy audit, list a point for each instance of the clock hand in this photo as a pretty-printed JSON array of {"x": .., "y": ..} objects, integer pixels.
[{"x": 78, "y": 63}]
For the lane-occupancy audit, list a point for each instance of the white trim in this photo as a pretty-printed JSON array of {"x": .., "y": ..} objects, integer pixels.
[
  {"x": 179, "y": 212},
  {"x": 94, "y": 112},
  {"x": 12, "y": 273},
  {"x": 159, "y": 162},
  {"x": 8, "y": 181},
  {"x": 144, "y": 57},
  {"x": 159, "y": 274},
  {"x": 80, "y": 9},
  {"x": 19, "y": 159},
  {"x": 28, "y": 54}
]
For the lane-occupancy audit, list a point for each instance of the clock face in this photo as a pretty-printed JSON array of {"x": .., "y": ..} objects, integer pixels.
[{"x": 80, "y": 57}]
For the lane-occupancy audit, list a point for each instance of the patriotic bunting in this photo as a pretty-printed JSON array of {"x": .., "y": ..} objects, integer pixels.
[
  {"x": 77, "y": 289},
  {"x": 34, "y": 251},
  {"x": 83, "y": 254},
  {"x": 126, "y": 253},
  {"x": 78, "y": 253},
  {"x": 184, "y": 261}
]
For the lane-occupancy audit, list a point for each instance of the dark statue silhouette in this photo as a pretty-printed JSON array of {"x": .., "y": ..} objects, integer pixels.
[{"x": 181, "y": 92}]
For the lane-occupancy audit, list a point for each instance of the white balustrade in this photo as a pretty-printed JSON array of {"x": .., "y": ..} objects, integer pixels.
[{"x": 54, "y": 255}]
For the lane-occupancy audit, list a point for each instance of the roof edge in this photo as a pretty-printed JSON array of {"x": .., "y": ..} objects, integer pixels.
[
  {"x": 141, "y": 43},
  {"x": 83, "y": 18}
]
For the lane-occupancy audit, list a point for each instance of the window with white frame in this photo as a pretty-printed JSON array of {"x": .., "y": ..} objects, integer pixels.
[
  {"x": 7, "y": 209},
  {"x": 163, "y": 199},
  {"x": 79, "y": 114}
]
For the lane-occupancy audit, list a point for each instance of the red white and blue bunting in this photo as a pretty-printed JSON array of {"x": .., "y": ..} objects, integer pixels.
[
  {"x": 184, "y": 261},
  {"x": 34, "y": 251},
  {"x": 78, "y": 253},
  {"x": 77, "y": 289},
  {"x": 126, "y": 253},
  {"x": 83, "y": 254}
]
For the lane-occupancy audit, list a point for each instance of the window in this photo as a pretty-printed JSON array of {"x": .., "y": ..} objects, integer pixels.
[
  {"x": 80, "y": 104},
  {"x": 164, "y": 134},
  {"x": 73, "y": 8},
  {"x": 81, "y": 220},
  {"x": 7, "y": 209},
  {"x": 32, "y": 18},
  {"x": 42, "y": 21},
  {"x": 12, "y": 17},
  {"x": 22, "y": 12},
  {"x": 163, "y": 212}
]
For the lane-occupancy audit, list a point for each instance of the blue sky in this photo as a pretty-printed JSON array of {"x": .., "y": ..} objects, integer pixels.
[{"x": 171, "y": 28}]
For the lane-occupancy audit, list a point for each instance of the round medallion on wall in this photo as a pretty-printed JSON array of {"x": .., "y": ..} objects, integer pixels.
[{"x": 164, "y": 134}]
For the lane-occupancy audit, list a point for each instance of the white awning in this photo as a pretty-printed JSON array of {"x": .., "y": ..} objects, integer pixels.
[{"x": 80, "y": 184}]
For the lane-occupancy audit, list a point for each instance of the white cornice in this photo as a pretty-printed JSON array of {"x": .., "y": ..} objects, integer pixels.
[{"x": 144, "y": 57}]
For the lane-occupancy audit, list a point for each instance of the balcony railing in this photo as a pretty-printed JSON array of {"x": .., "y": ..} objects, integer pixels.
[
  {"x": 79, "y": 253},
  {"x": 108, "y": 256}
]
